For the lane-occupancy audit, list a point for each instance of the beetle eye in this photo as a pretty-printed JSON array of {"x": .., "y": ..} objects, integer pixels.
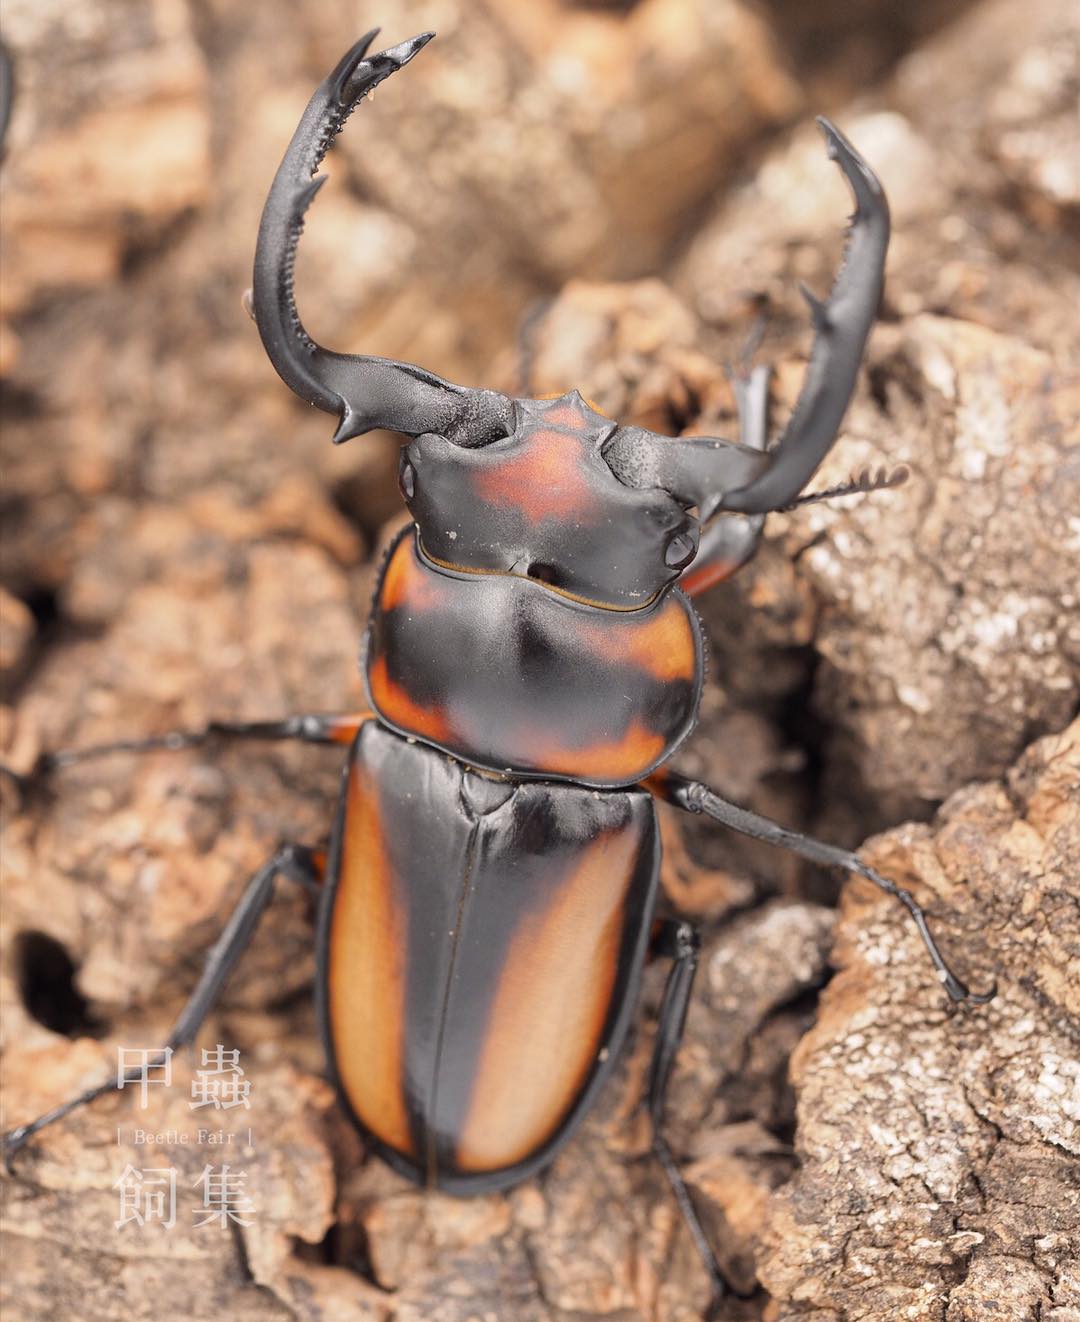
[
  {"x": 406, "y": 478},
  {"x": 680, "y": 550}
]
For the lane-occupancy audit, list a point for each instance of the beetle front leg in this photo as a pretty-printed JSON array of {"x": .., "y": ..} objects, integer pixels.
[
  {"x": 695, "y": 797},
  {"x": 297, "y": 863},
  {"x": 728, "y": 541}
]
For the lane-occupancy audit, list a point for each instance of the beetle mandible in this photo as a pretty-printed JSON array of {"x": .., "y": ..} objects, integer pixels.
[{"x": 532, "y": 661}]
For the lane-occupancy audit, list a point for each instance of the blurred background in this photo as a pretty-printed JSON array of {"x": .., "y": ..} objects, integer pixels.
[{"x": 606, "y": 195}]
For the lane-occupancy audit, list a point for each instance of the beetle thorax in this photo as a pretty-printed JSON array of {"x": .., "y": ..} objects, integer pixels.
[{"x": 504, "y": 673}]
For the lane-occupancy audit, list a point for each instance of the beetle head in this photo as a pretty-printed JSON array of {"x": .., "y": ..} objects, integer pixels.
[
  {"x": 553, "y": 489},
  {"x": 542, "y": 502}
]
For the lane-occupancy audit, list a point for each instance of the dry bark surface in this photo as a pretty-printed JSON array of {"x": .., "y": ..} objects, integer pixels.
[
  {"x": 180, "y": 542},
  {"x": 939, "y": 1151}
]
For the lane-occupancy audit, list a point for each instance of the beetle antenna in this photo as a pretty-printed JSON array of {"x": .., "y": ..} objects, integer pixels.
[{"x": 862, "y": 482}]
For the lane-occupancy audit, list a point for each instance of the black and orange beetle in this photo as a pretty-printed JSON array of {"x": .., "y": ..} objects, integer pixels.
[{"x": 532, "y": 661}]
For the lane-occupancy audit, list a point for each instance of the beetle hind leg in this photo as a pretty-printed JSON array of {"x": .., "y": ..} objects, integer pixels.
[
  {"x": 680, "y": 942},
  {"x": 295, "y": 862}
]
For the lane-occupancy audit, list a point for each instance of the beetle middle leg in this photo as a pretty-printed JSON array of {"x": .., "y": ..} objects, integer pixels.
[
  {"x": 317, "y": 729},
  {"x": 695, "y": 797},
  {"x": 294, "y": 862}
]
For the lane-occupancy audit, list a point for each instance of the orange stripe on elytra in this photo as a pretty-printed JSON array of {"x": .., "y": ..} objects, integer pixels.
[
  {"x": 366, "y": 977},
  {"x": 394, "y": 702},
  {"x": 550, "y": 1007}
]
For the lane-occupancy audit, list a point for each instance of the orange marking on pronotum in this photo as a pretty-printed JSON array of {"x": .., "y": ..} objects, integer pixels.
[
  {"x": 617, "y": 760},
  {"x": 366, "y": 975},
  {"x": 548, "y": 1015},
  {"x": 393, "y": 701},
  {"x": 663, "y": 644},
  {"x": 404, "y": 581},
  {"x": 543, "y": 478}
]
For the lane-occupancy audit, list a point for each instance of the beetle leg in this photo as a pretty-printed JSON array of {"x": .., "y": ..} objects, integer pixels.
[
  {"x": 526, "y": 343},
  {"x": 298, "y": 864},
  {"x": 680, "y": 942},
  {"x": 751, "y": 386},
  {"x": 7, "y": 93},
  {"x": 314, "y": 729},
  {"x": 693, "y": 796},
  {"x": 728, "y": 541}
]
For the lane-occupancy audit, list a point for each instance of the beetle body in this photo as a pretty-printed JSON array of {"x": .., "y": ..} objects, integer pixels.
[
  {"x": 484, "y": 926},
  {"x": 480, "y": 946},
  {"x": 515, "y": 678},
  {"x": 530, "y": 660}
]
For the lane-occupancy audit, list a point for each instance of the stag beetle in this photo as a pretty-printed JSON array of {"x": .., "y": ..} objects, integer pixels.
[{"x": 532, "y": 661}]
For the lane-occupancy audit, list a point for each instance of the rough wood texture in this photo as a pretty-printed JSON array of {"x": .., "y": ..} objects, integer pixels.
[
  {"x": 181, "y": 542},
  {"x": 939, "y": 1153}
]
